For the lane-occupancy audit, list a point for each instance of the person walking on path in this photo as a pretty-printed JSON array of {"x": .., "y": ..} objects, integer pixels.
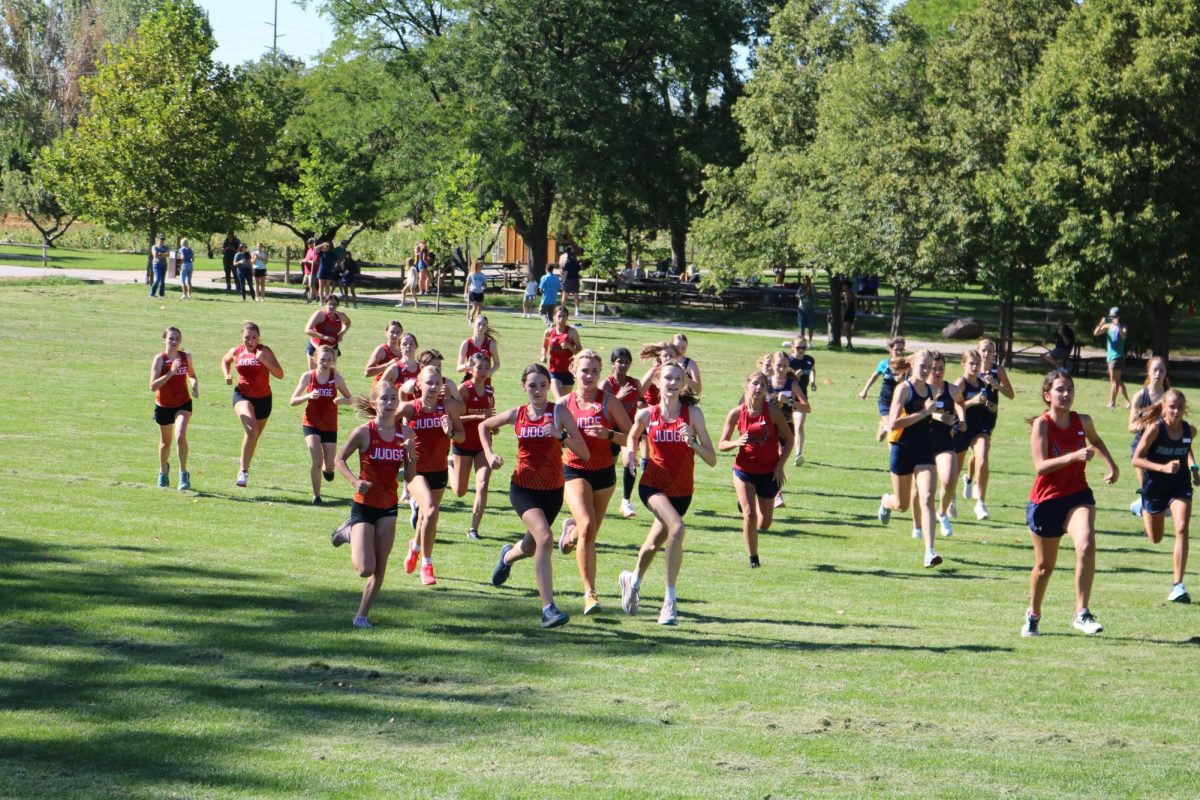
[
  {"x": 549, "y": 286},
  {"x": 1115, "y": 333}
]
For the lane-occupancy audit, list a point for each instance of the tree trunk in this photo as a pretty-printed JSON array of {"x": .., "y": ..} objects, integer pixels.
[
  {"x": 628, "y": 247},
  {"x": 835, "y": 311},
  {"x": 362, "y": 226},
  {"x": 679, "y": 234},
  {"x": 1160, "y": 327},
  {"x": 537, "y": 239},
  {"x": 898, "y": 306},
  {"x": 1007, "y": 309}
]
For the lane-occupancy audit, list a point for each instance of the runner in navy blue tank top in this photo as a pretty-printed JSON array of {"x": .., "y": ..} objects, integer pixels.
[
  {"x": 996, "y": 383},
  {"x": 945, "y": 423},
  {"x": 1155, "y": 386}
]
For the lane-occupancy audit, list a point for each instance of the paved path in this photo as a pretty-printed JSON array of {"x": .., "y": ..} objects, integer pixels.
[{"x": 209, "y": 278}]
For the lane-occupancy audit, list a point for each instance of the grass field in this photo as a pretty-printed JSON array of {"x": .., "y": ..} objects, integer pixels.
[{"x": 155, "y": 644}]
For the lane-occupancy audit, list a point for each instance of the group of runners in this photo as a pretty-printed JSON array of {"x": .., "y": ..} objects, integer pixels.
[{"x": 576, "y": 426}]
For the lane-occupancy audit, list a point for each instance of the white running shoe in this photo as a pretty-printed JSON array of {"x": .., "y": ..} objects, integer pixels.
[
  {"x": 953, "y": 513},
  {"x": 916, "y": 534},
  {"x": 932, "y": 559},
  {"x": 798, "y": 461},
  {"x": 629, "y": 592},
  {"x": 1084, "y": 621},
  {"x": 885, "y": 513},
  {"x": 1030, "y": 628},
  {"x": 981, "y": 511},
  {"x": 243, "y": 478},
  {"x": 1135, "y": 507},
  {"x": 966, "y": 488},
  {"x": 627, "y": 510},
  {"x": 566, "y": 540},
  {"x": 1179, "y": 594},
  {"x": 779, "y": 500},
  {"x": 667, "y": 615},
  {"x": 947, "y": 529}
]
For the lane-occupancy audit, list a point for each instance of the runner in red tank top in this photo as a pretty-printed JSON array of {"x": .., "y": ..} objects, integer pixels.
[
  {"x": 321, "y": 390},
  {"x": 255, "y": 364},
  {"x": 326, "y": 326},
  {"x": 383, "y": 451},
  {"x": 404, "y": 368},
  {"x": 482, "y": 340},
  {"x": 386, "y": 353},
  {"x": 171, "y": 372},
  {"x": 628, "y": 391},
  {"x": 536, "y": 489},
  {"x": 676, "y": 432},
  {"x": 759, "y": 431},
  {"x": 559, "y": 343},
  {"x": 590, "y": 482},
  {"x": 1062, "y": 442},
  {"x": 435, "y": 422},
  {"x": 479, "y": 403}
]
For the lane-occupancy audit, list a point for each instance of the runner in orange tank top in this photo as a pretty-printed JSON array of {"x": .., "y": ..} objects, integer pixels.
[
  {"x": 536, "y": 492},
  {"x": 383, "y": 452},
  {"x": 400, "y": 370},
  {"x": 321, "y": 390},
  {"x": 383, "y": 355},
  {"x": 559, "y": 343},
  {"x": 256, "y": 365},
  {"x": 482, "y": 340},
  {"x": 675, "y": 432},
  {"x": 628, "y": 391},
  {"x": 328, "y": 326},
  {"x": 589, "y": 482},
  {"x": 479, "y": 401},
  {"x": 759, "y": 431},
  {"x": 171, "y": 374}
]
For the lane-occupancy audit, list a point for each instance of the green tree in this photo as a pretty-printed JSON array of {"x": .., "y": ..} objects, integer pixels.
[
  {"x": 162, "y": 144},
  {"x": 456, "y": 217},
  {"x": 1106, "y": 158}
]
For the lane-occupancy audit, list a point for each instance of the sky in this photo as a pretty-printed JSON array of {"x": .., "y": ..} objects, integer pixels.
[{"x": 243, "y": 29}]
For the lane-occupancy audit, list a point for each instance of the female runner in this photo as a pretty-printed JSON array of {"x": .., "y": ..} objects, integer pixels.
[
  {"x": 944, "y": 423},
  {"x": 383, "y": 355},
  {"x": 676, "y": 433},
  {"x": 560, "y": 342},
  {"x": 974, "y": 407},
  {"x": 1163, "y": 455},
  {"x": 1153, "y": 389},
  {"x": 589, "y": 482},
  {"x": 758, "y": 430},
  {"x": 909, "y": 423},
  {"x": 627, "y": 391},
  {"x": 995, "y": 382},
  {"x": 435, "y": 423},
  {"x": 383, "y": 450},
  {"x": 479, "y": 401},
  {"x": 888, "y": 387},
  {"x": 482, "y": 340},
  {"x": 783, "y": 392},
  {"x": 474, "y": 288},
  {"x": 171, "y": 373},
  {"x": 405, "y": 368},
  {"x": 660, "y": 354},
  {"x": 256, "y": 365},
  {"x": 680, "y": 342},
  {"x": 536, "y": 490},
  {"x": 804, "y": 367},
  {"x": 322, "y": 390},
  {"x": 1060, "y": 502},
  {"x": 328, "y": 326}
]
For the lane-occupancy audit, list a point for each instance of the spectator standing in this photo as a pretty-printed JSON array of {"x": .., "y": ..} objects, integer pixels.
[
  {"x": 349, "y": 278},
  {"x": 325, "y": 265},
  {"x": 1115, "y": 334},
  {"x": 308, "y": 265},
  {"x": 570, "y": 267},
  {"x": 849, "y": 311},
  {"x": 229, "y": 249},
  {"x": 806, "y": 305},
  {"x": 1059, "y": 356},
  {"x": 241, "y": 265},
  {"x": 158, "y": 261},
  {"x": 259, "y": 257},
  {"x": 549, "y": 286},
  {"x": 187, "y": 260}
]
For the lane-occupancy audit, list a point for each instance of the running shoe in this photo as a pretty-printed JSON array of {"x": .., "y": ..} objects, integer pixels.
[
  {"x": 667, "y": 615},
  {"x": 947, "y": 528},
  {"x": 932, "y": 559},
  {"x": 591, "y": 603},
  {"x": 966, "y": 488},
  {"x": 553, "y": 617},
  {"x": 953, "y": 511},
  {"x": 1030, "y": 628},
  {"x": 627, "y": 509},
  {"x": 1084, "y": 621},
  {"x": 427, "y": 577},
  {"x": 916, "y": 534},
  {"x": 316, "y": 500},
  {"x": 981, "y": 511},
  {"x": 754, "y": 562},
  {"x": 242, "y": 479},
  {"x": 341, "y": 534},
  {"x": 414, "y": 515},
  {"x": 414, "y": 555},
  {"x": 185, "y": 481},
  {"x": 1135, "y": 507},
  {"x": 163, "y": 483},
  {"x": 629, "y": 592},
  {"x": 798, "y": 461},
  {"x": 1179, "y": 594},
  {"x": 502, "y": 568},
  {"x": 779, "y": 500},
  {"x": 473, "y": 534},
  {"x": 885, "y": 513},
  {"x": 362, "y": 622},
  {"x": 566, "y": 540}
]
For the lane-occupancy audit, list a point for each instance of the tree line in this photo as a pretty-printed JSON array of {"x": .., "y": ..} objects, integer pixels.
[{"x": 1044, "y": 148}]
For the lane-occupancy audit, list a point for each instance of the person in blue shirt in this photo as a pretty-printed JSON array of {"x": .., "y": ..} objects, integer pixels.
[
  {"x": 549, "y": 285},
  {"x": 158, "y": 256},
  {"x": 1115, "y": 334},
  {"x": 890, "y": 380},
  {"x": 187, "y": 261}
]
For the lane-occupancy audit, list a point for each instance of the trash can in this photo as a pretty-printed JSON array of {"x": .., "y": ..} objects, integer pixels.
[{"x": 173, "y": 264}]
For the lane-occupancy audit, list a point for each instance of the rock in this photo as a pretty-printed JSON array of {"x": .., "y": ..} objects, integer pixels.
[{"x": 966, "y": 328}]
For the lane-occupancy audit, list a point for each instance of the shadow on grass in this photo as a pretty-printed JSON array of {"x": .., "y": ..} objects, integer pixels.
[{"x": 946, "y": 572}]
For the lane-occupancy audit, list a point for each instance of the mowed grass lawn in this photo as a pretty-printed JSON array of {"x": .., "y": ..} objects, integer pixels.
[{"x": 158, "y": 644}]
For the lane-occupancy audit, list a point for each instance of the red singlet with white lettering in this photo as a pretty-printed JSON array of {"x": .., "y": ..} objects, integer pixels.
[
  {"x": 613, "y": 387},
  {"x": 671, "y": 459},
  {"x": 560, "y": 356},
  {"x": 174, "y": 392},
  {"x": 254, "y": 380},
  {"x": 599, "y": 450},
  {"x": 321, "y": 413},
  {"x": 328, "y": 326},
  {"x": 433, "y": 445},
  {"x": 379, "y": 464},
  {"x": 475, "y": 404},
  {"x": 760, "y": 454},
  {"x": 539, "y": 451}
]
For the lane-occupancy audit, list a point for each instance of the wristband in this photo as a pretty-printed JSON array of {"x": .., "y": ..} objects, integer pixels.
[{"x": 610, "y": 437}]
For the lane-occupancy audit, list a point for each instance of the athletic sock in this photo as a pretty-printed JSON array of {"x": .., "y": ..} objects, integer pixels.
[
  {"x": 426, "y": 562},
  {"x": 546, "y": 608},
  {"x": 670, "y": 597}
]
